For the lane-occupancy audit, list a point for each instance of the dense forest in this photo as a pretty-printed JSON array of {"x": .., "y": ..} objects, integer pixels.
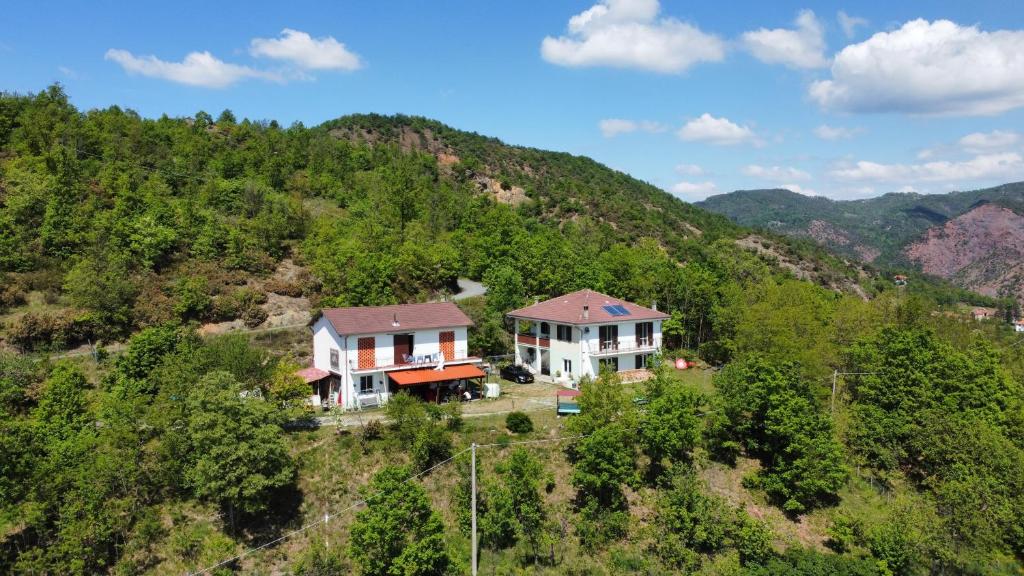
[{"x": 877, "y": 435}]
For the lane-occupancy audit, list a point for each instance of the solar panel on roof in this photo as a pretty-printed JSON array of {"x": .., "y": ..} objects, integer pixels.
[
  {"x": 613, "y": 310},
  {"x": 621, "y": 310}
]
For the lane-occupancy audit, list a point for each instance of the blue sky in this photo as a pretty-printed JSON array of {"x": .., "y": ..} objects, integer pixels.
[{"x": 846, "y": 100}]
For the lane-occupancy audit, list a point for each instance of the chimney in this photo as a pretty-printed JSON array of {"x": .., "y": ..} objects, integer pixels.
[
  {"x": 394, "y": 321},
  {"x": 536, "y": 299},
  {"x": 654, "y": 305},
  {"x": 586, "y": 312}
]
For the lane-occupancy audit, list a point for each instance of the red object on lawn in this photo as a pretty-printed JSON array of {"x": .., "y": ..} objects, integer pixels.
[{"x": 681, "y": 364}]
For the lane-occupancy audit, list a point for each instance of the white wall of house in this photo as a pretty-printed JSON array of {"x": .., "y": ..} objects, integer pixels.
[
  {"x": 325, "y": 339},
  {"x": 586, "y": 338}
]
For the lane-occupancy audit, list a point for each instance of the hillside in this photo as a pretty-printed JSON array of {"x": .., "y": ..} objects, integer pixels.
[
  {"x": 901, "y": 229},
  {"x": 111, "y": 222}
]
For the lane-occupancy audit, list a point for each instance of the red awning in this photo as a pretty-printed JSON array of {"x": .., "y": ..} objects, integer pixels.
[
  {"x": 427, "y": 375},
  {"x": 566, "y": 393}
]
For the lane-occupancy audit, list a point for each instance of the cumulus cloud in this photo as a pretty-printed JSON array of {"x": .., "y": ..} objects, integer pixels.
[
  {"x": 977, "y": 142},
  {"x": 304, "y": 51},
  {"x": 849, "y": 23},
  {"x": 197, "y": 69},
  {"x": 689, "y": 169},
  {"x": 928, "y": 68},
  {"x": 799, "y": 189},
  {"x": 717, "y": 131},
  {"x": 826, "y": 132},
  {"x": 775, "y": 173},
  {"x": 1001, "y": 166},
  {"x": 611, "y": 127},
  {"x": 629, "y": 34},
  {"x": 802, "y": 47},
  {"x": 694, "y": 191}
]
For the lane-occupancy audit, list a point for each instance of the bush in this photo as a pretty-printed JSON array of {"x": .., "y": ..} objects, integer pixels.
[
  {"x": 254, "y": 316},
  {"x": 373, "y": 430},
  {"x": 518, "y": 423},
  {"x": 431, "y": 446}
]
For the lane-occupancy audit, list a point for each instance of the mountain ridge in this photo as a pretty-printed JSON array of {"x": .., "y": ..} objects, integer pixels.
[{"x": 882, "y": 230}]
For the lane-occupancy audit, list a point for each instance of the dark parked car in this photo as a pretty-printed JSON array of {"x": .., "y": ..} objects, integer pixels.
[{"x": 516, "y": 373}]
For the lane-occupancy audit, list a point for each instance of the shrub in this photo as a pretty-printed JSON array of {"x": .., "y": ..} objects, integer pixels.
[
  {"x": 254, "y": 316},
  {"x": 373, "y": 430},
  {"x": 431, "y": 445},
  {"x": 518, "y": 423}
]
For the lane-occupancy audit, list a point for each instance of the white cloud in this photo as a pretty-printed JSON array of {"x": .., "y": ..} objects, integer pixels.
[
  {"x": 197, "y": 69},
  {"x": 802, "y": 47},
  {"x": 70, "y": 73},
  {"x": 978, "y": 142},
  {"x": 776, "y": 173},
  {"x": 629, "y": 34},
  {"x": 826, "y": 132},
  {"x": 849, "y": 23},
  {"x": 1002, "y": 166},
  {"x": 689, "y": 169},
  {"x": 717, "y": 131},
  {"x": 304, "y": 51},
  {"x": 611, "y": 127},
  {"x": 928, "y": 68},
  {"x": 908, "y": 189},
  {"x": 799, "y": 189},
  {"x": 694, "y": 191}
]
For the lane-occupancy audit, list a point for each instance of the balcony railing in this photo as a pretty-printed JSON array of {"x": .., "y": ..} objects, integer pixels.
[
  {"x": 423, "y": 361},
  {"x": 531, "y": 340},
  {"x": 613, "y": 347}
]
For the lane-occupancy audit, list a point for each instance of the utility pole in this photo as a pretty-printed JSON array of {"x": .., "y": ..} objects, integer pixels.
[{"x": 472, "y": 468}]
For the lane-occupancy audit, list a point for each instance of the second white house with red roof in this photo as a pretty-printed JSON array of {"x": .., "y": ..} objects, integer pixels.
[
  {"x": 572, "y": 336},
  {"x": 363, "y": 354}
]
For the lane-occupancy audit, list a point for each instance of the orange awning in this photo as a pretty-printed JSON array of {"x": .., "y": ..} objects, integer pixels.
[{"x": 427, "y": 375}]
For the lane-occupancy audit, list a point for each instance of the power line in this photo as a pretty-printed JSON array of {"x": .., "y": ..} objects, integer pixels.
[
  {"x": 324, "y": 520},
  {"x": 358, "y": 503}
]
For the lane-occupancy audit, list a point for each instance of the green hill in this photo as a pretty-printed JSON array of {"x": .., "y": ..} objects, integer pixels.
[
  {"x": 111, "y": 222},
  {"x": 887, "y": 230}
]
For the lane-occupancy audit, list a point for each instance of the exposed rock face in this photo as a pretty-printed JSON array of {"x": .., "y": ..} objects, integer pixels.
[
  {"x": 825, "y": 233},
  {"x": 982, "y": 249}
]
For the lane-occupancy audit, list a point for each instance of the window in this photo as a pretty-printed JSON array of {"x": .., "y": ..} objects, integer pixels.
[
  {"x": 567, "y": 366},
  {"x": 608, "y": 337},
  {"x": 365, "y": 384},
  {"x": 643, "y": 361},
  {"x": 335, "y": 362},
  {"x": 563, "y": 333},
  {"x": 609, "y": 363},
  {"x": 545, "y": 330},
  {"x": 644, "y": 333}
]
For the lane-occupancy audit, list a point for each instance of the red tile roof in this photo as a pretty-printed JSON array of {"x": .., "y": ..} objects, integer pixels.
[
  {"x": 378, "y": 319},
  {"x": 568, "y": 309},
  {"x": 310, "y": 375}
]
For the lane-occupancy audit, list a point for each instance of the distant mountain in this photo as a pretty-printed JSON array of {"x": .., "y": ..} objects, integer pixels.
[{"x": 974, "y": 238}]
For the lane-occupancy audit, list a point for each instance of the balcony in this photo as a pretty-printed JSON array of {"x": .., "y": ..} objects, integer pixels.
[
  {"x": 419, "y": 361},
  {"x": 531, "y": 340},
  {"x": 615, "y": 347}
]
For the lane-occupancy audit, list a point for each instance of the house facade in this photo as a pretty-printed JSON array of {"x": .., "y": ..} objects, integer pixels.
[
  {"x": 370, "y": 352},
  {"x": 575, "y": 335}
]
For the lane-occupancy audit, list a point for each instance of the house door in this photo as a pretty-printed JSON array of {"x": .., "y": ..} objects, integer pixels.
[{"x": 403, "y": 348}]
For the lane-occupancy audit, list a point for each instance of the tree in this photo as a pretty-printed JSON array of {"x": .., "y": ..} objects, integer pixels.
[
  {"x": 240, "y": 458},
  {"x": 603, "y": 462},
  {"x": 521, "y": 475},
  {"x": 670, "y": 428},
  {"x": 505, "y": 290},
  {"x": 398, "y": 533},
  {"x": 691, "y": 522},
  {"x": 103, "y": 285},
  {"x": 771, "y": 411},
  {"x": 286, "y": 387}
]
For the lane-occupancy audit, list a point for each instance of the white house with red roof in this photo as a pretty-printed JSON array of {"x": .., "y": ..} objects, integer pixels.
[
  {"x": 572, "y": 336},
  {"x": 362, "y": 355}
]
